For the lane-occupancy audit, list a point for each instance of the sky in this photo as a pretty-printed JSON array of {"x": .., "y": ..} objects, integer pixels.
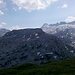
[{"x": 18, "y": 14}]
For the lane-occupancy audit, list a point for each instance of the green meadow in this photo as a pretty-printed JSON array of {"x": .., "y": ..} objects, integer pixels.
[{"x": 66, "y": 67}]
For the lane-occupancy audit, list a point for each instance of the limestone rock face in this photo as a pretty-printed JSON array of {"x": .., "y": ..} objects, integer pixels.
[{"x": 64, "y": 31}]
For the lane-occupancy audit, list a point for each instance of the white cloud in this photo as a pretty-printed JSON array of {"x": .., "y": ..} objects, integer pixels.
[
  {"x": 70, "y": 19},
  {"x": 16, "y": 27},
  {"x": 2, "y": 24},
  {"x": 2, "y": 3},
  {"x": 33, "y": 4},
  {"x": 64, "y": 6},
  {"x": 55, "y": 0},
  {"x": 14, "y": 9},
  {"x": 1, "y": 13}
]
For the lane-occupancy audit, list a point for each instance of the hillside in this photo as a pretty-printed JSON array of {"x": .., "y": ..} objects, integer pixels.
[
  {"x": 32, "y": 46},
  {"x": 66, "y": 67}
]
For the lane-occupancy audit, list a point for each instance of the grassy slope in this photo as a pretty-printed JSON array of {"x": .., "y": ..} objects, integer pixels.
[{"x": 66, "y": 67}]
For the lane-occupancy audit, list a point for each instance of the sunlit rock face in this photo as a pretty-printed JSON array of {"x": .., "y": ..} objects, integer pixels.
[
  {"x": 63, "y": 30},
  {"x": 32, "y": 46}
]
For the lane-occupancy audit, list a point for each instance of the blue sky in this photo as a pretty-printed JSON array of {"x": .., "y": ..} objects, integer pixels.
[{"x": 16, "y": 14}]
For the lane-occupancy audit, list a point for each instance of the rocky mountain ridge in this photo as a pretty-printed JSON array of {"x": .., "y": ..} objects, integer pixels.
[
  {"x": 64, "y": 31},
  {"x": 32, "y": 46}
]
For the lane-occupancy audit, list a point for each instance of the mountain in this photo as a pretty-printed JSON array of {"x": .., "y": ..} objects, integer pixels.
[
  {"x": 32, "y": 46},
  {"x": 64, "y": 31},
  {"x": 3, "y": 32}
]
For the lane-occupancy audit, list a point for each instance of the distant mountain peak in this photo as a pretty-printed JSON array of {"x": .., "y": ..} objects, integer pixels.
[
  {"x": 3, "y": 31},
  {"x": 63, "y": 30},
  {"x": 73, "y": 22},
  {"x": 59, "y": 23}
]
